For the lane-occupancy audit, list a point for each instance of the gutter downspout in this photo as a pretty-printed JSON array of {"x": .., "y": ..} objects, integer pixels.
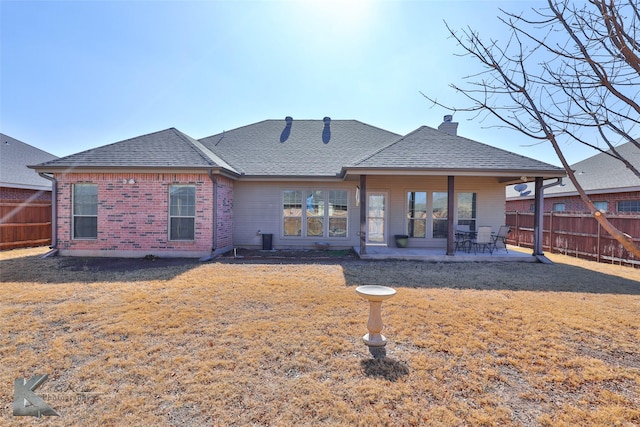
[
  {"x": 215, "y": 205},
  {"x": 539, "y": 218},
  {"x": 54, "y": 209}
]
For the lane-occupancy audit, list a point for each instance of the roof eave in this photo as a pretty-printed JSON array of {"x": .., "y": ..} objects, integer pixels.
[
  {"x": 323, "y": 178},
  {"x": 137, "y": 169},
  {"x": 574, "y": 192},
  {"x": 25, "y": 186},
  {"x": 505, "y": 176}
]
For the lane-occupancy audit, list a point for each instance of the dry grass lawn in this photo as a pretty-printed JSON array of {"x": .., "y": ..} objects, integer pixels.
[{"x": 234, "y": 343}]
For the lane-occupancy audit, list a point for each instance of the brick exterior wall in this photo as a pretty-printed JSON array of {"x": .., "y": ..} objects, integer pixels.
[
  {"x": 21, "y": 194},
  {"x": 574, "y": 203},
  {"x": 133, "y": 219},
  {"x": 224, "y": 214}
]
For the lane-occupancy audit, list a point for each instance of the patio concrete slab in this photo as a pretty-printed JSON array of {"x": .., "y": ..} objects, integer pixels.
[{"x": 439, "y": 255}]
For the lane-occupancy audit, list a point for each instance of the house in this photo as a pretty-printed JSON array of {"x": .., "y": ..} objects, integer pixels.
[
  {"x": 298, "y": 182},
  {"x": 17, "y": 181},
  {"x": 612, "y": 187},
  {"x": 25, "y": 197}
]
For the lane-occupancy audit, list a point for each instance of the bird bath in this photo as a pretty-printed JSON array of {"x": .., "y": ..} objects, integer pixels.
[{"x": 375, "y": 295}]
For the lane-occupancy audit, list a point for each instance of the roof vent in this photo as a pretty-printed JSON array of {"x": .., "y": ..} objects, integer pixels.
[
  {"x": 287, "y": 129},
  {"x": 326, "y": 132}
]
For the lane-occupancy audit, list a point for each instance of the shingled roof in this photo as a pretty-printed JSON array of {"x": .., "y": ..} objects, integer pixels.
[
  {"x": 597, "y": 174},
  {"x": 301, "y": 148},
  {"x": 430, "y": 149},
  {"x": 15, "y": 155},
  {"x": 309, "y": 149},
  {"x": 168, "y": 148}
]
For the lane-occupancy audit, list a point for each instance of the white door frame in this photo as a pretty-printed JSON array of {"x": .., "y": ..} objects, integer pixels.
[{"x": 384, "y": 216}]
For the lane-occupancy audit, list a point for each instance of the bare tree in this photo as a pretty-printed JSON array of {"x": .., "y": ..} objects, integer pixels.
[{"x": 567, "y": 72}]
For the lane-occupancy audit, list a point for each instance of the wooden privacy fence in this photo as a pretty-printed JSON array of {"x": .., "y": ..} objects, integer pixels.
[
  {"x": 24, "y": 224},
  {"x": 576, "y": 234}
]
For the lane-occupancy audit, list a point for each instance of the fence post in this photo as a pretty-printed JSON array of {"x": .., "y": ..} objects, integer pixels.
[
  {"x": 517, "y": 228},
  {"x": 598, "y": 240},
  {"x": 551, "y": 231}
]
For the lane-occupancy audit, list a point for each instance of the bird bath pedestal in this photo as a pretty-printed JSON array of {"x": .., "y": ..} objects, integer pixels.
[{"x": 375, "y": 295}]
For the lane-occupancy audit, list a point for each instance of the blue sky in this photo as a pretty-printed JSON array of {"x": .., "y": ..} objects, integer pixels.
[{"x": 81, "y": 74}]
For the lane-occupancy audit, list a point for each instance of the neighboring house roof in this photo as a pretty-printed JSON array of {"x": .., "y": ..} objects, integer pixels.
[
  {"x": 168, "y": 148},
  {"x": 597, "y": 174},
  {"x": 301, "y": 148},
  {"x": 15, "y": 155},
  {"x": 428, "y": 149}
]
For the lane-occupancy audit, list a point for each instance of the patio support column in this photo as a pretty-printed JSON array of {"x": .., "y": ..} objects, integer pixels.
[
  {"x": 450, "y": 215},
  {"x": 363, "y": 214},
  {"x": 538, "y": 220}
]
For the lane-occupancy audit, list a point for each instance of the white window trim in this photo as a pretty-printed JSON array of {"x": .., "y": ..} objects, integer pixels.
[
  {"x": 169, "y": 216},
  {"x": 303, "y": 217},
  {"x": 427, "y": 219},
  {"x": 457, "y": 219},
  {"x": 73, "y": 213}
]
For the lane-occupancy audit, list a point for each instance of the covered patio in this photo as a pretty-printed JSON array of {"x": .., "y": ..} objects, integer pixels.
[{"x": 514, "y": 254}]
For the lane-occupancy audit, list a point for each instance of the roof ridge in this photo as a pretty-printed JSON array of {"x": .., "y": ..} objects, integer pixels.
[
  {"x": 203, "y": 151},
  {"x": 231, "y": 130},
  {"x": 375, "y": 127},
  {"x": 607, "y": 154},
  {"x": 31, "y": 147},
  {"x": 391, "y": 144},
  {"x": 118, "y": 142},
  {"x": 522, "y": 156},
  {"x": 299, "y": 120}
]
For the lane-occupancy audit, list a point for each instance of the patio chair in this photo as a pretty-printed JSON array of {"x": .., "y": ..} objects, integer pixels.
[
  {"x": 483, "y": 239},
  {"x": 501, "y": 237},
  {"x": 463, "y": 238}
]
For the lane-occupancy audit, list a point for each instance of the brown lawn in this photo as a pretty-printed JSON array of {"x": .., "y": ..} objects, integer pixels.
[{"x": 265, "y": 343}]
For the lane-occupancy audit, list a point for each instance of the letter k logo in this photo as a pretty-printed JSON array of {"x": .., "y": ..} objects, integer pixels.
[{"x": 25, "y": 402}]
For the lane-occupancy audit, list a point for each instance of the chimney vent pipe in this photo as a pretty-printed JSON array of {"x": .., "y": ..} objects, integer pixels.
[{"x": 448, "y": 126}]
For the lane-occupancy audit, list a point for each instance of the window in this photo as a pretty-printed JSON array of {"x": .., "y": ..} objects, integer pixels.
[
  {"x": 417, "y": 214},
  {"x": 418, "y": 211},
  {"x": 439, "y": 213},
  {"x": 324, "y": 213},
  {"x": 182, "y": 212},
  {"x": 558, "y": 207},
  {"x": 338, "y": 202},
  {"x": 85, "y": 211},
  {"x": 292, "y": 213},
  {"x": 601, "y": 206},
  {"x": 315, "y": 214},
  {"x": 629, "y": 206},
  {"x": 467, "y": 210}
]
